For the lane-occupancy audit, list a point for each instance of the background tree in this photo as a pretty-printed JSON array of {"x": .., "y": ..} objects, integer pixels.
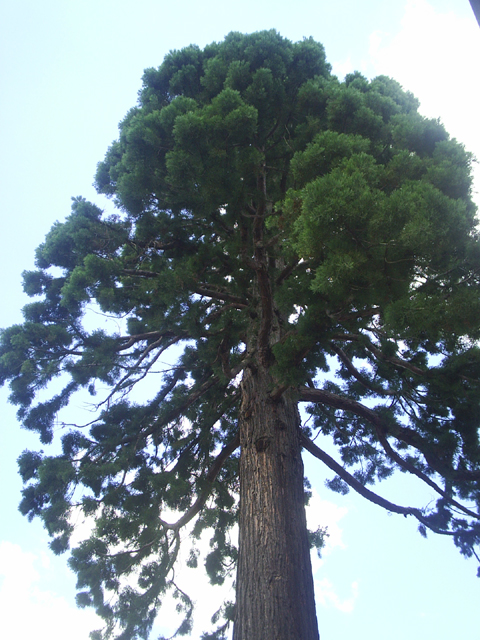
[{"x": 281, "y": 237}]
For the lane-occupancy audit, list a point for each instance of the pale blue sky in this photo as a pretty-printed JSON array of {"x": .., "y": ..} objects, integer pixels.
[{"x": 69, "y": 71}]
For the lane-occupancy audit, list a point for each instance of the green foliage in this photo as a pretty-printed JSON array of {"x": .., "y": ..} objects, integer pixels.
[{"x": 254, "y": 190}]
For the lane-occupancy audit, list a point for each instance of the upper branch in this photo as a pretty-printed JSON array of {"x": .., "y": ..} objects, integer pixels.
[
  {"x": 128, "y": 341},
  {"x": 208, "y": 292},
  {"x": 356, "y": 374},
  {"x": 396, "y": 361}
]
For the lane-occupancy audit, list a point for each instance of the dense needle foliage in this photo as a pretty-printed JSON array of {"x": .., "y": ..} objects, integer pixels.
[{"x": 254, "y": 190}]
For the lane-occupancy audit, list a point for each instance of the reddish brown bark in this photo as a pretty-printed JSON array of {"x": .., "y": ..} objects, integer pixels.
[{"x": 275, "y": 598}]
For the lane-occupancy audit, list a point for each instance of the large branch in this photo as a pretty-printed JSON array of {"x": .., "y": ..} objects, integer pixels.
[
  {"x": 174, "y": 413},
  {"x": 357, "y": 375},
  {"x": 362, "y": 490},
  {"x": 346, "y": 404},
  {"x": 141, "y": 273},
  {"x": 397, "y": 362},
  {"x": 287, "y": 271},
  {"x": 213, "y": 472},
  {"x": 128, "y": 341},
  {"x": 203, "y": 290},
  {"x": 315, "y": 395}
]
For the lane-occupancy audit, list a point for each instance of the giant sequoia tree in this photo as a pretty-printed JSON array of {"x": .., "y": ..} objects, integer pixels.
[{"x": 281, "y": 238}]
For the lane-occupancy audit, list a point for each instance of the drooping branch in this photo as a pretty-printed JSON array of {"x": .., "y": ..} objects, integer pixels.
[
  {"x": 177, "y": 411},
  {"x": 225, "y": 453},
  {"x": 188, "y": 449},
  {"x": 407, "y": 466},
  {"x": 396, "y": 361},
  {"x": 351, "y": 480},
  {"x": 121, "y": 385},
  {"x": 191, "y": 398},
  {"x": 356, "y": 373},
  {"x": 155, "y": 345},
  {"x": 413, "y": 439},
  {"x": 346, "y": 404},
  {"x": 196, "y": 507},
  {"x": 363, "y": 491}
]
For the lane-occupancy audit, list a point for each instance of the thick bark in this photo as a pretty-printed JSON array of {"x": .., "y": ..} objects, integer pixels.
[{"x": 275, "y": 597}]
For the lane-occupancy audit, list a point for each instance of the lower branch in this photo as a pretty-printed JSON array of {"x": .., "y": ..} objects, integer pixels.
[
  {"x": 363, "y": 491},
  {"x": 225, "y": 453},
  {"x": 404, "y": 434}
]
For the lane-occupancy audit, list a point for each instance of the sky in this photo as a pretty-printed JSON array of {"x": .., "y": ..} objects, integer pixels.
[{"x": 69, "y": 71}]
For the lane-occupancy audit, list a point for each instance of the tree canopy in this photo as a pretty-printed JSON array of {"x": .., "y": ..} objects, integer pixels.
[{"x": 269, "y": 217}]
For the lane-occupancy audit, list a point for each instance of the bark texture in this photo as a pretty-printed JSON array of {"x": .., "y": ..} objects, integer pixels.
[{"x": 275, "y": 597}]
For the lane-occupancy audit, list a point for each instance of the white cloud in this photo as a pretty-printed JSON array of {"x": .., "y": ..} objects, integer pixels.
[
  {"x": 326, "y": 596},
  {"x": 16, "y": 568},
  {"x": 26, "y": 609},
  {"x": 208, "y": 598},
  {"x": 434, "y": 55},
  {"x": 82, "y": 527},
  {"x": 322, "y": 513},
  {"x": 194, "y": 582},
  {"x": 341, "y": 68}
]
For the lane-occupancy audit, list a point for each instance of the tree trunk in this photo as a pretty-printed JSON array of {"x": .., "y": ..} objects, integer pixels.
[
  {"x": 275, "y": 598},
  {"x": 476, "y": 9}
]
